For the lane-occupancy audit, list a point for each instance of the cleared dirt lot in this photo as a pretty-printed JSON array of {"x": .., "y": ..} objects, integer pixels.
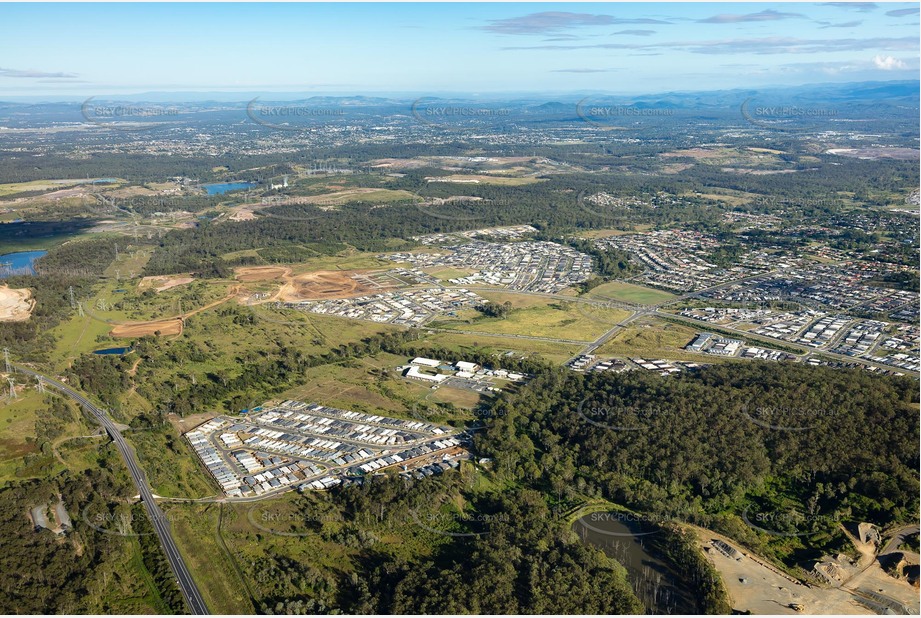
[
  {"x": 163, "y": 282},
  {"x": 249, "y": 274},
  {"x": 317, "y": 285},
  {"x": 171, "y": 326},
  {"x": 15, "y": 305},
  {"x": 323, "y": 284},
  {"x": 763, "y": 590}
]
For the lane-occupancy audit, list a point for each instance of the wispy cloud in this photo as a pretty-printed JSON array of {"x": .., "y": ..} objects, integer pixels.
[
  {"x": 847, "y": 24},
  {"x": 641, "y": 20},
  {"x": 862, "y": 7},
  {"x": 635, "y": 32},
  {"x": 584, "y": 70},
  {"x": 547, "y": 22},
  {"x": 31, "y": 73},
  {"x": 553, "y": 22},
  {"x": 903, "y": 12},
  {"x": 563, "y": 37},
  {"x": 766, "y": 15},
  {"x": 888, "y": 63},
  {"x": 760, "y": 46}
]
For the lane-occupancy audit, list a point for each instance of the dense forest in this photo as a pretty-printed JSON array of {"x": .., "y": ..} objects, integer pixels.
[
  {"x": 820, "y": 446},
  {"x": 85, "y": 570},
  {"x": 436, "y": 546}
]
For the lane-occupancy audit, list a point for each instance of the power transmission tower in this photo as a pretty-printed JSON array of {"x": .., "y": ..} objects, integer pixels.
[
  {"x": 70, "y": 291},
  {"x": 116, "y": 252},
  {"x": 117, "y": 275},
  {"x": 12, "y": 388},
  {"x": 6, "y": 357},
  {"x": 80, "y": 309},
  {"x": 41, "y": 384}
]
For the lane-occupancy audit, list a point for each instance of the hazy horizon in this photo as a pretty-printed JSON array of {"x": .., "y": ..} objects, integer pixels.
[{"x": 424, "y": 48}]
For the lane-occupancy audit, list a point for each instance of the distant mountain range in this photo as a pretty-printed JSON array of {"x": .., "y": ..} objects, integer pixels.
[{"x": 893, "y": 93}]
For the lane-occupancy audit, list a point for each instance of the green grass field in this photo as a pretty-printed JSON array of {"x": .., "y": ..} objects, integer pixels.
[
  {"x": 548, "y": 350},
  {"x": 352, "y": 261},
  {"x": 629, "y": 293},
  {"x": 651, "y": 338},
  {"x": 448, "y": 273},
  {"x": 538, "y": 317},
  {"x": 195, "y": 528},
  {"x": 17, "y": 423}
]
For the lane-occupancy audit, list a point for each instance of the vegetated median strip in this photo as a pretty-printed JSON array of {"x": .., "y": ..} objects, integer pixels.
[{"x": 230, "y": 557}]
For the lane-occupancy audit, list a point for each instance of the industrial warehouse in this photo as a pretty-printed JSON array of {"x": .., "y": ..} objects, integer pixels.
[{"x": 297, "y": 445}]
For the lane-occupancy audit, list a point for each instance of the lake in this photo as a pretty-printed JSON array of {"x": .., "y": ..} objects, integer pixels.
[
  {"x": 223, "y": 187},
  {"x": 20, "y": 263},
  {"x": 114, "y": 351},
  {"x": 654, "y": 582}
]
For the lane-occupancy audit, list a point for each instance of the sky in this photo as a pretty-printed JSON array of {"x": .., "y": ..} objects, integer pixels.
[{"x": 435, "y": 48}]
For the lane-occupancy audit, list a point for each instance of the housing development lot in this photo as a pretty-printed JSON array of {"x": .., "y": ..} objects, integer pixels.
[
  {"x": 309, "y": 446},
  {"x": 408, "y": 307},
  {"x": 534, "y": 266},
  {"x": 679, "y": 260}
]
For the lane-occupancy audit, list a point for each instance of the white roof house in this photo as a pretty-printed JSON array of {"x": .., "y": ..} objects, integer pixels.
[{"x": 465, "y": 366}]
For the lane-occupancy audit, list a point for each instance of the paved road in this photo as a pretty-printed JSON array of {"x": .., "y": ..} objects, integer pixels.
[
  {"x": 189, "y": 590},
  {"x": 898, "y": 537}
]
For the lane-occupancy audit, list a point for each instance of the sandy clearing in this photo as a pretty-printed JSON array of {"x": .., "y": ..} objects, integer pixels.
[
  {"x": 316, "y": 285},
  {"x": 249, "y": 274},
  {"x": 762, "y": 589},
  {"x": 15, "y": 304},
  {"x": 171, "y": 326},
  {"x": 323, "y": 284},
  {"x": 164, "y": 282}
]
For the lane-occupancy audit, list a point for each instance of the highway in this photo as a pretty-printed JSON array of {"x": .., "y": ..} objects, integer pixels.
[{"x": 196, "y": 603}]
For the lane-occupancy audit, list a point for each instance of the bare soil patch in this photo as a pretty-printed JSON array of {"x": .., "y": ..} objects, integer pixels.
[
  {"x": 323, "y": 284},
  {"x": 249, "y": 274},
  {"x": 164, "y": 282},
  {"x": 172, "y": 326},
  {"x": 15, "y": 304}
]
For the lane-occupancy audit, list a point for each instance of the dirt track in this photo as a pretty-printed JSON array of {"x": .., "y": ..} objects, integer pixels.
[{"x": 166, "y": 326}]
